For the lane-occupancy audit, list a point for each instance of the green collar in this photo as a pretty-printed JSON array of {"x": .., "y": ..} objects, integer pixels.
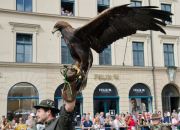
[{"x": 49, "y": 122}]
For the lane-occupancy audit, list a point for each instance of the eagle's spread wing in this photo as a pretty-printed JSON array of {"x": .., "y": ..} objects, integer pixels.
[{"x": 121, "y": 21}]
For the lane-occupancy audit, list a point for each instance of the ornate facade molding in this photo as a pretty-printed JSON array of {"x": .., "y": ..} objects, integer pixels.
[{"x": 15, "y": 25}]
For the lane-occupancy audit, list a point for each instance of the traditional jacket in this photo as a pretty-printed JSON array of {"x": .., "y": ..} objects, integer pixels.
[{"x": 64, "y": 122}]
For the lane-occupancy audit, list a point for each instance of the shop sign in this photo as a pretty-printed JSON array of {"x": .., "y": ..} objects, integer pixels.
[
  {"x": 106, "y": 76},
  {"x": 139, "y": 90},
  {"x": 105, "y": 90}
]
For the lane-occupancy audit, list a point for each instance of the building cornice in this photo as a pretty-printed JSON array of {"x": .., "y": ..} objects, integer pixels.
[
  {"x": 120, "y": 67},
  {"x": 173, "y": 26},
  {"x": 44, "y": 14},
  {"x": 169, "y": 37},
  {"x": 31, "y": 65},
  {"x": 94, "y": 67},
  {"x": 60, "y": 66},
  {"x": 27, "y": 25},
  {"x": 141, "y": 35}
]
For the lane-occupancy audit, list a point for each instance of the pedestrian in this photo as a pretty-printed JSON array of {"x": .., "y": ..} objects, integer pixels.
[
  {"x": 46, "y": 114},
  {"x": 30, "y": 122},
  {"x": 21, "y": 125}
]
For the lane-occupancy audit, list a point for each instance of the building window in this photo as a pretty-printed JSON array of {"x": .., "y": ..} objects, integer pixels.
[
  {"x": 138, "y": 54},
  {"x": 166, "y": 7},
  {"x": 105, "y": 57},
  {"x": 168, "y": 54},
  {"x": 24, "y": 5},
  {"x": 102, "y": 5},
  {"x": 22, "y": 97},
  {"x": 140, "y": 98},
  {"x": 23, "y": 47},
  {"x": 65, "y": 54},
  {"x": 135, "y": 3},
  {"x": 67, "y": 7}
]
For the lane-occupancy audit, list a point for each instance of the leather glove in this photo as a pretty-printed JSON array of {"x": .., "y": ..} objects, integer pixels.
[{"x": 72, "y": 81}]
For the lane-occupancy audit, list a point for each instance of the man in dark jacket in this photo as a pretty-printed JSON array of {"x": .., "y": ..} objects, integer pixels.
[
  {"x": 46, "y": 113},
  {"x": 46, "y": 110}
]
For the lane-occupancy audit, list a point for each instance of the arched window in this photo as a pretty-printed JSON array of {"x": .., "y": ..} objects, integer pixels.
[
  {"x": 59, "y": 102},
  {"x": 21, "y": 99},
  {"x": 106, "y": 99},
  {"x": 140, "y": 98}
]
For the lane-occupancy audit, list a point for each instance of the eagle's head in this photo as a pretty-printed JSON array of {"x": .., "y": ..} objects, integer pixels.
[{"x": 60, "y": 25}]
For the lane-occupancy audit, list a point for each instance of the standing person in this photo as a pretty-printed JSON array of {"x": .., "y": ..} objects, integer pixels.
[
  {"x": 46, "y": 110},
  {"x": 101, "y": 117},
  {"x": 179, "y": 119},
  {"x": 116, "y": 124},
  {"x": 88, "y": 124},
  {"x": 166, "y": 118},
  {"x": 46, "y": 113},
  {"x": 108, "y": 122},
  {"x": 21, "y": 125},
  {"x": 131, "y": 123},
  {"x": 5, "y": 124},
  {"x": 122, "y": 121},
  {"x": 13, "y": 123},
  {"x": 174, "y": 121},
  {"x": 30, "y": 122},
  {"x": 96, "y": 123}
]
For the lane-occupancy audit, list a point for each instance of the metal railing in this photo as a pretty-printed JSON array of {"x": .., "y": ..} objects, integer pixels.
[{"x": 137, "y": 127}]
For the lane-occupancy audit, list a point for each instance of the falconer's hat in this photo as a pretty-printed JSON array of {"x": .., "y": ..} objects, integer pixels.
[{"x": 47, "y": 104}]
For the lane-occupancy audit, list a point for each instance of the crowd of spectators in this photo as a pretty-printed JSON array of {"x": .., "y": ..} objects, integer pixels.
[
  {"x": 101, "y": 121},
  {"x": 128, "y": 121},
  {"x": 20, "y": 123}
]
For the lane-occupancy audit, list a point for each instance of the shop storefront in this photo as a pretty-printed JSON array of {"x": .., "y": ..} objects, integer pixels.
[
  {"x": 170, "y": 98},
  {"x": 21, "y": 99},
  {"x": 59, "y": 102},
  {"x": 140, "y": 99},
  {"x": 106, "y": 99}
]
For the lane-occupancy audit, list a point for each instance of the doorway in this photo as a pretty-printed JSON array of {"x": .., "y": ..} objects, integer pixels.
[
  {"x": 106, "y": 99},
  {"x": 170, "y": 98}
]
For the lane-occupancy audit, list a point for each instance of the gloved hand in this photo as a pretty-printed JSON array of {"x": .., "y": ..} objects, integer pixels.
[{"x": 72, "y": 81}]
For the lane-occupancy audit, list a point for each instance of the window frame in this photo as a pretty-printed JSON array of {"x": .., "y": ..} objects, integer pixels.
[
  {"x": 24, "y": 6},
  {"x": 105, "y": 57},
  {"x": 67, "y": 56},
  {"x": 70, "y": 3},
  {"x": 101, "y": 6},
  {"x": 22, "y": 99},
  {"x": 137, "y": 52},
  {"x": 170, "y": 61},
  {"x": 165, "y": 9},
  {"x": 135, "y": 2},
  {"x": 24, "y": 44}
]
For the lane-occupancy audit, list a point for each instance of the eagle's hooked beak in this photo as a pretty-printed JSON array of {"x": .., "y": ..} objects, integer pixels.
[{"x": 54, "y": 30}]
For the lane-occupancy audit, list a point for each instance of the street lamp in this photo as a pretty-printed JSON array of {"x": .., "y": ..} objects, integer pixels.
[{"x": 171, "y": 70}]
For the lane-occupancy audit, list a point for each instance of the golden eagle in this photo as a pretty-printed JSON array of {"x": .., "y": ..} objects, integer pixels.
[{"x": 109, "y": 26}]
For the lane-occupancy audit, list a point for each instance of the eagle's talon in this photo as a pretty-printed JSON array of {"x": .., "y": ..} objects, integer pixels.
[{"x": 76, "y": 68}]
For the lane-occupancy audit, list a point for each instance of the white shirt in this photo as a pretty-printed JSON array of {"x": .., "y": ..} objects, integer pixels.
[
  {"x": 179, "y": 116},
  {"x": 116, "y": 124}
]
